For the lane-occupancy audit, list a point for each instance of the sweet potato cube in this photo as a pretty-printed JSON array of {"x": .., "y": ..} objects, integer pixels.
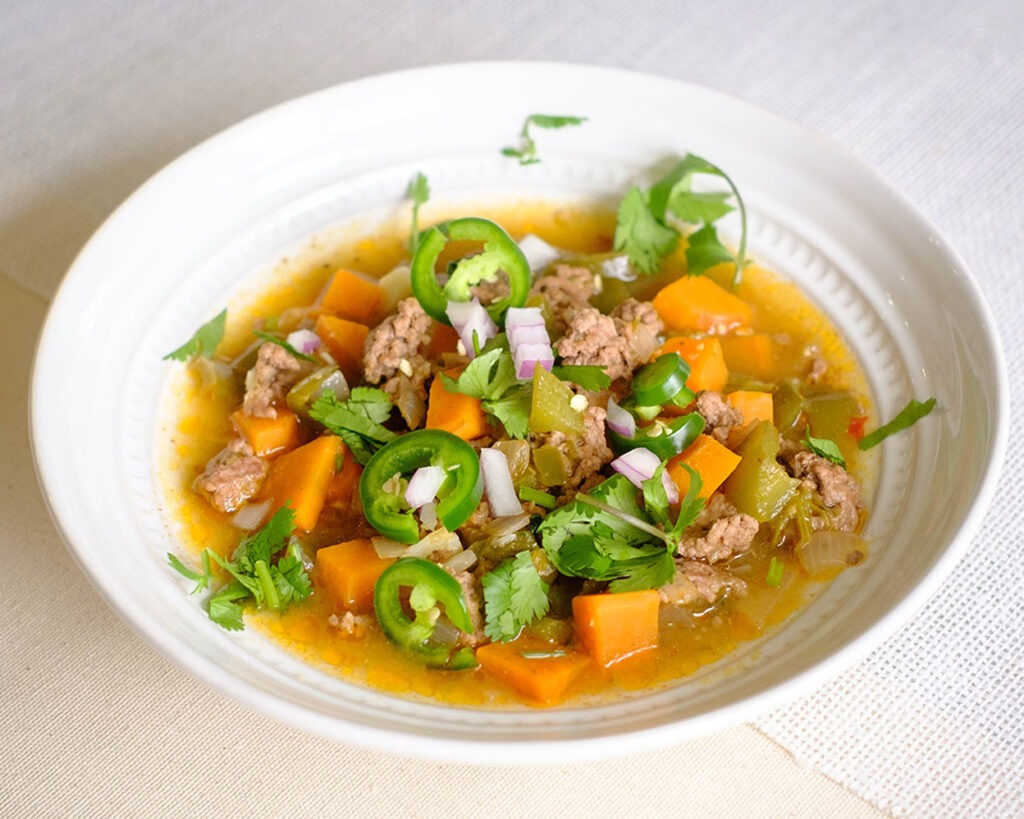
[
  {"x": 704, "y": 355},
  {"x": 344, "y": 340},
  {"x": 712, "y": 461},
  {"x": 695, "y": 304},
  {"x": 531, "y": 667},
  {"x": 612, "y": 627},
  {"x": 348, "y": 572},
  {"x": 301, "y": 477},
  {"x": 268, "y": 436},
  {"x": 459, "y": 414},
  {"x": 353, "y": 296}
]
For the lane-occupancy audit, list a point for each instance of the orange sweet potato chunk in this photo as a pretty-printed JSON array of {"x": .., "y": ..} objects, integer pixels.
[{"x": 301, "y": 478}]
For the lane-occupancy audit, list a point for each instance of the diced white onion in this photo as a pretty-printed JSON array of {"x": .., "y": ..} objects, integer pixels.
[
  {"x": 439, "y": 545},
  {"x": 618, "y": 267},
  {"x": 428, "y": 515},
  {"x": 620, "y": 420},
  {"x": 498, "y": 527},
  {"x": 250, "y": 516},
  {"x": 539, "y": 254},
  {"x": 305, "y": 341},
  {"x": 501, "y": 492},
  {"x": 824, "y": 554},
  {"x": 423, "y": 486},
  {"x": 395, "y": 286},
  {"x": 387, "y": 548},
  {"x": 470, "y": 318},
  {"x": 461, "y": 562},
  {"x": 637, "y": 465}
]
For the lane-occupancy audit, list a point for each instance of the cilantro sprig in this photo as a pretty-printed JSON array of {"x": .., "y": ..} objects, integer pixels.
[
  {"x": 644, "y": 229},
  {"x": 419, "y": 192},
  {"x": 203, "y": 342},
  {"x": 256, "y": 579},
  {"x": 491, "y": 377},
  {"x": 358, "y": 421},
  {"x": 526, "y": 152},
  {"x": 913, "y": 412},
  {"x": 514, "y": 596}
]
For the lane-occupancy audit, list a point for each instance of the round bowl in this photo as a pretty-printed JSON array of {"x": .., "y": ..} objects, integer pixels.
[{"x": 215, "y": 221}]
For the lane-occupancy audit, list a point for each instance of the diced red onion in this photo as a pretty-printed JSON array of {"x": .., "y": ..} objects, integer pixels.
[
  {"x": 469, "y": 318},
  {"x": 529, "y": 334},
  {"x": 620, "y": 420},
  {"x": 501, "y": 493},
  {"x": 539, "y": 254},
  {"x": 305, "y": 341},
  {"x": 250, "y": 516},
  {"x": 638, "y": 465},
  {"x": 521, "y": 318},
  {"x": 671, "y": 490},
  {"x": 527, "y": 356},
  {"x": 423, "y": 486},
  {"x": 528, "y": 339}
]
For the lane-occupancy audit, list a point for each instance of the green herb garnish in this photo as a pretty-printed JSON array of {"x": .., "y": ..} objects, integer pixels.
[
  {"x": 491, "y": 377},
  {"x": 589, "y": 376},
  {"x": 514, "y": 596},
  {"x": 907, "y": 417},
  {"x": 204, "y": 341},
  {"x": 545, "y": 500},
  {"x": 825, "y": 447},
  {"x": 774, "y": 577},
  {"x": 357, "y": 421},
  {"x": 256, "y": 578},
  {"x": 526, "y": 153},
  {"x": 419, "y": 192}
]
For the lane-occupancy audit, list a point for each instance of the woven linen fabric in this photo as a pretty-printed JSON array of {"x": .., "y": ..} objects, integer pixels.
[{"x": 98, "y": 95}]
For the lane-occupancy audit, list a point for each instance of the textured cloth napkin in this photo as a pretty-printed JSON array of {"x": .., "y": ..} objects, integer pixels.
[{"x": 98, "y": 95}]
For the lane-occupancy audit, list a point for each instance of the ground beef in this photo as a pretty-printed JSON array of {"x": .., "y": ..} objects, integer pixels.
[
  {"x": 816, "y": 366},
  {"x": 720, "y": 416},
  {"x": 594, "y": 338},
  {"x": 696, "y": 583},
  {"x": 641, "y": 326},
  {"x": 566, "y": 291},
  {"x": 232, "y": 476},
  {"x": 586, "y": 453},
  {"x": 394, "y": 353},
  {"x": 721, "y": 531},
  {"x": 275, "y": 372},
  {"x": 839, "y": 490},
  {"x": 494, "y": 290}
]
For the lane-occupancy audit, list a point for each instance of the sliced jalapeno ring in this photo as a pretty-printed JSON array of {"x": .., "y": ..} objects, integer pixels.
[
  {"x": 458, "y": 496},
  {"x": 432, "y": 591},
  {"x": 500, "y": 253},
  {"x": 664, "y": 440},
  {"x": 661, "y": 381}
]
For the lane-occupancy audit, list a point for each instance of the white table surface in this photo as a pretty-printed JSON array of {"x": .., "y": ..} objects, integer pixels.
[{"x": 97, "y": 95}]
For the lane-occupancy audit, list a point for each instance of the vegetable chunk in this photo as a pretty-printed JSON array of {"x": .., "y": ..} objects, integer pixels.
[
  {"x": 612, "y": 627},
  {"x": 268, "y": 436},
  {"x": 344, "y": 339},
  {"x": 348, "y": 572},
  {"x": 532, "y": 667},
  {"x": 712, "y": 461},
  {"x": 695, "y": 304},
  {"x": 455, "y": 412},
  {"x": 301, "y": 477},
  {"x": 354, "y": 297},
  {"x": 704, "y": 355}
]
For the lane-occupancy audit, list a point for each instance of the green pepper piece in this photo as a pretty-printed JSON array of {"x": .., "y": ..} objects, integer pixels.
[
  {"x": 661, "y": 381},
  {"x": 458, "y": 497},
  {"x": 664, "y": 440},
  {"x": 500, "y": 253},
  {"x": 551, "y": 464},
  {"x": 787, "y": 405},
  {"x": 759, "y": 485},
  {"x": 431, "y": 590},
  {"x": 551, "y": 406},
  {"x": 301, "y": 397}
]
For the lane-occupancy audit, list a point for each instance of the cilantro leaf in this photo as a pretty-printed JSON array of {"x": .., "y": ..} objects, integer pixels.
[
  {"x": 419, "y": 192},
  {"x": 825, "y": 447},
  {"x": 203, "y": 580},
  {"x": 283, "y": 343},
  {"x": 356, "y": 421},
  {"x": 640, "y": 235},
  {"x": 905, "y": 418},
  {"x": 704, "y": 251},
  {"x": 694, "y": 208},
  {"x": 526, "y": 153},
  {"x": 224, "y": 608},
  {"x": 588, "y": 376},
  {"x": 265, "y": 542},
  {"x": 491, "y": 377},
  {"x": 652, "y": 573},
  {"x": 204, "y": 341},
  {"x": 514, "y": 596}
]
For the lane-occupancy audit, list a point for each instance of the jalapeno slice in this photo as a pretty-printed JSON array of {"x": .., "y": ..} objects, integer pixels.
[
  {"x": 500, "y": 252},
  {"x": 664, "y": 440},
  {"x": 662, "y": 381},
  {"x": 431, "y": 590},
  {"x": 458, "y": 496}
]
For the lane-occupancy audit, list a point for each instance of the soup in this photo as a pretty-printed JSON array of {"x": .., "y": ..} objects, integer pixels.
[{"x": 595, "y": 483}]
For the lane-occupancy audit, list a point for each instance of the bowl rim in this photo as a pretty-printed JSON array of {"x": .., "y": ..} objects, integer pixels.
[{"x": 504, "y": 751}]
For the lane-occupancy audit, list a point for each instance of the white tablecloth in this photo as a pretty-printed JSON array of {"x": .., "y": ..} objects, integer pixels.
[{"x": 97, "y": 95}]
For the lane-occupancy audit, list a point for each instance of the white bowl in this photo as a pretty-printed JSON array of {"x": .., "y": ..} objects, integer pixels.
[{"x": 217, "y": 219}]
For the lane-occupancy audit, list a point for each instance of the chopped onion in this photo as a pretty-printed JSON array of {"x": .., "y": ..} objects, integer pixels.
[
  {"x": 428, "y": 515},
  {"x": 501, "y": 493},
  {"x": 618, "y": 267},
  {"x": 423, "y": 485},
  {"x": 250, "y": 516},
  {"x": 387, "y": 548},
  {"x": 639, "y": 465},
  {"x": 439, "y": 545},
  {"x": 508, "y": 525},
  {"x": 824, "y": 554},
  {"x": 469, "y": 318},
  {"x": 305, "y": 341},
  {"x": 620, "y": 420},
  {"x": 528, "y": 339},
  {"x": 539, "y": 254},
  {"x": 461, "y": 562}
]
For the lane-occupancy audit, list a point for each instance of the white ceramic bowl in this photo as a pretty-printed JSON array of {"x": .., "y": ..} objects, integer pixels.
[{"x": 220, "y": 217}]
